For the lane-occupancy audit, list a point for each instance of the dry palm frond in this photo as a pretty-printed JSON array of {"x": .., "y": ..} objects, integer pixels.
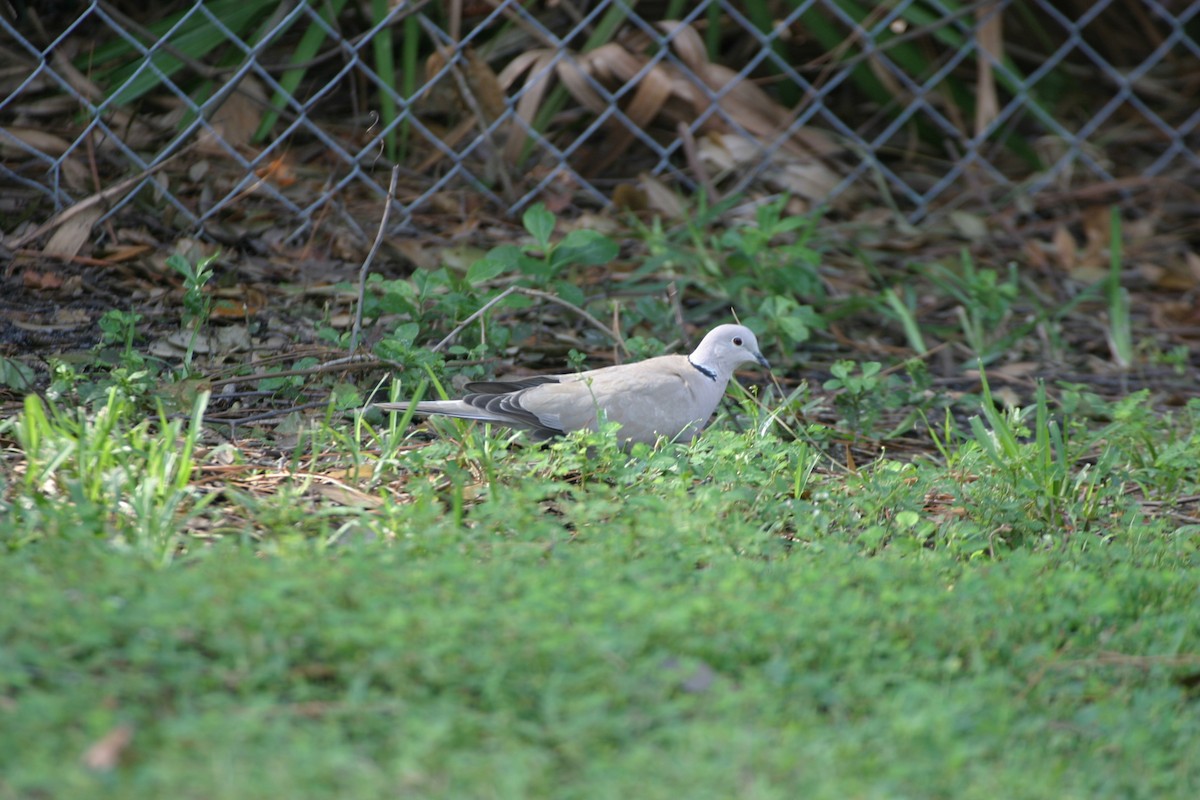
[
  {"x": 990, "y": 37},
  {"x": 661, "y": 95}
]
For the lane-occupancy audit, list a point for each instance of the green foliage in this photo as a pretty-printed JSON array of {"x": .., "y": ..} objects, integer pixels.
[
  {"x": 88, "y": 380},
  {"x": 197, "y": 303},
  {"x": 15, "y": 375},
  {"x": 545, "y": 263},
  {"x": 905, "y": 311},
  {"x": 985, "y": 304},
  {"x": 777, "y": 249},
  {"x": 1040, "y": 458},
  {"x": 858, "y": 396},
  {"x": 473, "y": 617},
  {"x": 120, "y": 64},
  {"x": 863, "y": 394},
  {"x": 628, "y": 649},
  {"x": 133, "y": 374},
  {"x": 399, "y": 347},
  {"x": 433, "y": 297},
  {"x": 565, "y": 620},
  {"x": 113, "y": 472},
  {"x": 889, "y": 34},
  {"x": 190, "y": 37},
  {"x": 769, "y": 268},
  {"x": 119, "y": 328},
  {"x": 996, "y": 310}
]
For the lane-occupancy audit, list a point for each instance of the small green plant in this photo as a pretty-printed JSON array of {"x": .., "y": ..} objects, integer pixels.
[
  {"x": 430, "y": 298},
  {"x": 776, "y": 251},
  {"x": 88, "y": 383},
  {"x": 197, "y": 303},
  {"x": 1177, "y": 358},
  {"x": 768, "y": 270},
  {"x": 119, "y": 328},
  {"x": 577, "y": 360},
  {"x": 133, "y": 373},
  {"x": 16, "y": 375},
  {"x": 865, "y": 393},
  {"x": 508, "y": 277},
  {"x": 544, "y": 263},
  {"x": 985, "y": 302},
  {"x": 1037, "y": 454},
  {"x": 399, "y": 347},
  {"x": 857, "y": 391}
]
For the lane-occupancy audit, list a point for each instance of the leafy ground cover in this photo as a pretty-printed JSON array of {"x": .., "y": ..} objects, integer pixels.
[{"x": 947, "y": 550}]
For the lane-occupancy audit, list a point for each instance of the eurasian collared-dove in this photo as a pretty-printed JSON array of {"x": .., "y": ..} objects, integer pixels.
[{"x": 669, "y": 396}]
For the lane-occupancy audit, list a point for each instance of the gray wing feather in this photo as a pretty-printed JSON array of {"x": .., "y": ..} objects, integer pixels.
[
  {"x": 506, "y": 407},
  {"x": 507, "y": 387},
  {"x": 493, "y": 401}
]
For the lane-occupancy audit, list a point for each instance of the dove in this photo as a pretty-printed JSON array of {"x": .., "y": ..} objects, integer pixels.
[{"x": 667, "y": 396}]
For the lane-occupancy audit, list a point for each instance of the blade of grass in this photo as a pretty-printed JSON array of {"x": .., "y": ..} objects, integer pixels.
[
  {"x": 912, "y": 329},
  {"x": 1120, "y": 333},
  {"x": 410, "y": 56},
  {"x": 385, "y": 68}
]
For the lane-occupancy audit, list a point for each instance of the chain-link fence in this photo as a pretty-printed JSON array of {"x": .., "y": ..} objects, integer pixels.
[{"x": 219, "y": 115}]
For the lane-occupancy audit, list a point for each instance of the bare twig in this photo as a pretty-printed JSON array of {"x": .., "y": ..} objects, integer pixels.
[
  {"x": 677, "y": 308},
  {"x": 266, "y": 415},
  {"x": 450, "y": 336},
  {"x": 337, "y": 365},
  {"x": 612, "y": 332},
  {"x": 94, "y": 170},
  {"x": 616, "y": 326},
  {"x": 366, "y": 265},
  {"x": 538, "y": 293}
]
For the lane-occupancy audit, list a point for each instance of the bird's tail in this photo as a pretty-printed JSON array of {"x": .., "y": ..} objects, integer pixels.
[{"x": 446, "y": 408}]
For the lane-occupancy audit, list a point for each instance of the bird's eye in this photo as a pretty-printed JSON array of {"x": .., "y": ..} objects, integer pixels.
[{"x": 737, "y": 341}]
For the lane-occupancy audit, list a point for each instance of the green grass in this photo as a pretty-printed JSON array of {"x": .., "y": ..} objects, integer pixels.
[
  {"x": 645, "y": 659},
  {"x": 793, "y": 606},
  {"x": 716, "y": 621}
]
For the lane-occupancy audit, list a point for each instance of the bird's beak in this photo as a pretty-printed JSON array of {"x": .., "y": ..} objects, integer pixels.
[{"x": 759, "y": 358}]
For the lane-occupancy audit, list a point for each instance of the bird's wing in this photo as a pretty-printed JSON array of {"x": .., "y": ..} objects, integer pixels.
[{"x": 664, "y": 396}]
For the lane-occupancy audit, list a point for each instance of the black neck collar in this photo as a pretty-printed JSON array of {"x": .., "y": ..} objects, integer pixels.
[{"x": 705, "y": 371}]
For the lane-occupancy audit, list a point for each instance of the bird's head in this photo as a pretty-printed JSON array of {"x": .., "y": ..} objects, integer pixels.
[{"x": 727, "y": 347}]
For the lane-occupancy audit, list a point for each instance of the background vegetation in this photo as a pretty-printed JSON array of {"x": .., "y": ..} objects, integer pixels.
[{"x": 946, "y": 549}]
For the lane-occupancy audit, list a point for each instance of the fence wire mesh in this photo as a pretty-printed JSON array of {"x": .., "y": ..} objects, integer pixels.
[{"x": 220, "y": 115}]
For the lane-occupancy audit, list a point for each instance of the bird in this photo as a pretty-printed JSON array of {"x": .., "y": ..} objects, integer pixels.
[{"x": 669, "y": 397}]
